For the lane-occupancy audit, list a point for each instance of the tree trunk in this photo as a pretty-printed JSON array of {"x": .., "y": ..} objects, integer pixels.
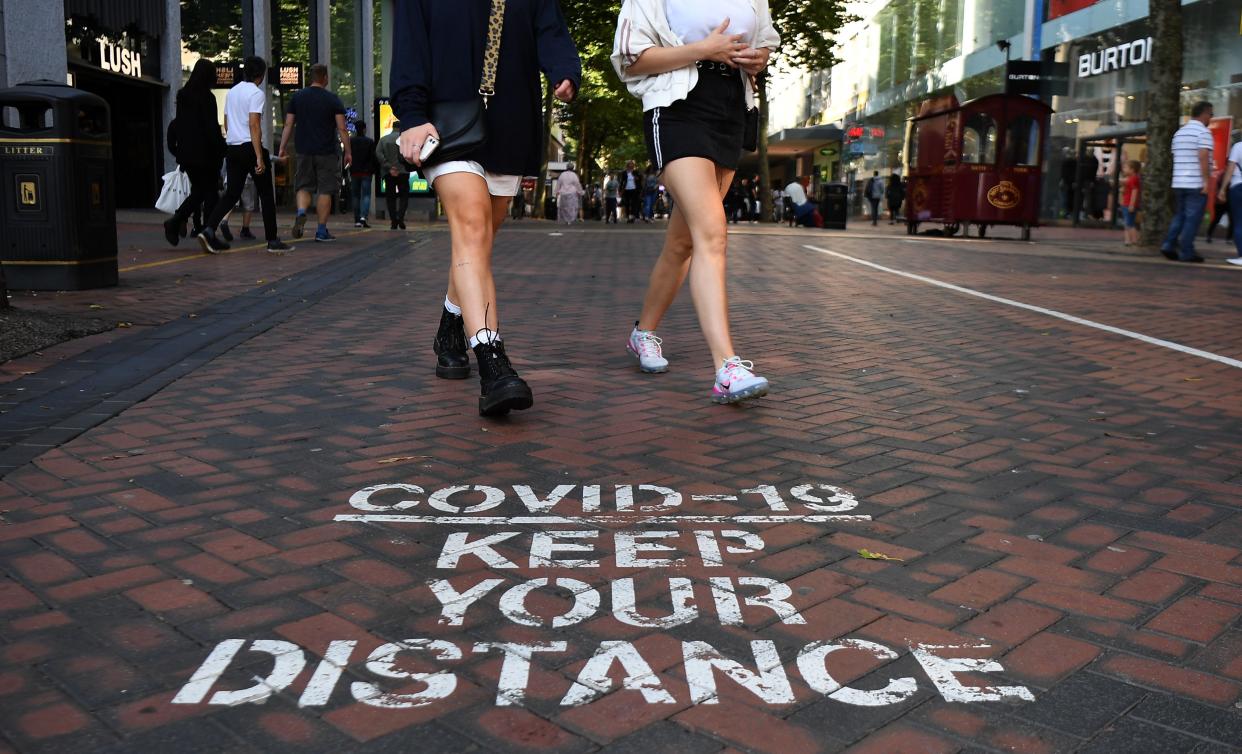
[
  {"x": 543, "y": 158},
  {"x": 765, "y": 171},
  {"x": 1162, "y": 118}
]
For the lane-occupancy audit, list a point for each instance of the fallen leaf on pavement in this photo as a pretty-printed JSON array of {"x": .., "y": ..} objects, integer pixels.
[
  {"x": 399, "y": 459},
  {"x": 869, "y": 555}
]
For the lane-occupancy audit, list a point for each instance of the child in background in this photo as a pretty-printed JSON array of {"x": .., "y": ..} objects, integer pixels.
[{"x": 1131, "y": 191}]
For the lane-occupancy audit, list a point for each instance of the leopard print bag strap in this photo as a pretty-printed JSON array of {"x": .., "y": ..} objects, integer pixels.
[{"x": 491, "y": 55}]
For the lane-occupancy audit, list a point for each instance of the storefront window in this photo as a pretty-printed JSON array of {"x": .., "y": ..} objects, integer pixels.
[
  {"x": 1022, "y": 141},
  {"x": 979, "y": 139}
]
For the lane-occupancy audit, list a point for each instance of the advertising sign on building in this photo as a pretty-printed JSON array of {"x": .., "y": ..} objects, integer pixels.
[{"x": 1058, "y": 8}]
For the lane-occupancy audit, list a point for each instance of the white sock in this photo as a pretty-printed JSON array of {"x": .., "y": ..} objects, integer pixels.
[
  {"x": 452, "y": 308},
  {"x": 484, "y": 336}
]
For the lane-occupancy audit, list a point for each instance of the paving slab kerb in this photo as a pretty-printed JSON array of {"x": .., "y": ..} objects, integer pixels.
[{"x": 956, "y": 524}]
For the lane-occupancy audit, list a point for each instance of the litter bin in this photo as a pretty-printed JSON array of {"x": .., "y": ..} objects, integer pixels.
[
  {"x": 834, "y": 205},
  {"x": 59, "y": 215}
]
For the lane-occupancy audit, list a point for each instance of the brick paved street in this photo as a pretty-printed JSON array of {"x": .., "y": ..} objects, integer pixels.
[{"x": 256, "y": 521}]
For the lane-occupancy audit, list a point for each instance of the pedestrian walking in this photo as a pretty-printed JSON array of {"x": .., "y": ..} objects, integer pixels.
[
  {"x": 568, "y": 196},
  {"x": 195, "y": 140},
  {"x": 315, "y": 118},
  {"x": 245, "y": 155},
  {"x": 612, "y": 195},
  {"x": 874, "y": 191},
  {"x": 631, "y": 191},
  {"x": 754, "y": 203},
  {"x": 651, "y": 192},
  {"x": 397, "y": 178},
  {"x": 1231, "y": 188},
  {"x": 895, "y": 193},
  {"x": 450, "y": 53},
  {"x": 1131, "y": 194},
  {"x": 1220, "y": 210},
  {"x": 1192, "y": 170},
  {"x": 693, "y": 64},
  {"x": 362, "y": 149}
]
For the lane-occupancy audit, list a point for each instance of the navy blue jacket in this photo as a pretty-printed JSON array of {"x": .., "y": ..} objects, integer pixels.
[{"x": 438, "y": 57}]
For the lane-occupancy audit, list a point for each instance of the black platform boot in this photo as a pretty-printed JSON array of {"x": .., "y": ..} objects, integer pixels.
[
  {"x": 452, "y": 363},
  {"x": 501, "y": 388}
]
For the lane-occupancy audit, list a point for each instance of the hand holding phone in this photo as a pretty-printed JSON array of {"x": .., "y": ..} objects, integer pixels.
[{"x": 429, "y": 148}]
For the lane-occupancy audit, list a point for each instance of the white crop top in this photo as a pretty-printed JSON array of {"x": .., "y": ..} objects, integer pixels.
[{"x": 693, "y": 20}]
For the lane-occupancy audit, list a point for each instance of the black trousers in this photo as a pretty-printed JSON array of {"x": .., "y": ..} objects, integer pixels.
[
  {"x": 633, "y": 199},
  {"x": 610, "y": 211},
  {"x": 396, "y": 197},
  {"x": 204, "y": 180},
  {"x": 239, "y": 162},
  {"x": 875, "y": 210}
]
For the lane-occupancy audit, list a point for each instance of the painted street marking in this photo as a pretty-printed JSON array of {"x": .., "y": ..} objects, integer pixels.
[
  {"x": 1226, "y": 360},
  {"x": 763, "y": 674},
  {"x": 567, "y": 598},
  {"x": 592, "y": 520}
]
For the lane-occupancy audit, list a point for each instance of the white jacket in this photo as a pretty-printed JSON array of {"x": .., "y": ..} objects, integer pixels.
[{"x": 643, "y": 24}]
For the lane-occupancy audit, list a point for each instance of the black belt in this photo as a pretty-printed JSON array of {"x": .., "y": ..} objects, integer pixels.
[{"x": 710, "y": 65}]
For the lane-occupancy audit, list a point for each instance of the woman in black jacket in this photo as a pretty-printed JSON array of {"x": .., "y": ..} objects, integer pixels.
[
  {"x": 438, "y": 50},
  {"x": 195, "y": 140}
]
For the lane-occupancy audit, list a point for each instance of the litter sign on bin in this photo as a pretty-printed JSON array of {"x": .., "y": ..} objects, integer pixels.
[{"x": 28, "y": 193}]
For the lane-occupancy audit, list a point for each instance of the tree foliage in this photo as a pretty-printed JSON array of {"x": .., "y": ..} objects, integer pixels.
[
  {"x": 213, "y": 29},
  {"x": 604, "y": 122}
]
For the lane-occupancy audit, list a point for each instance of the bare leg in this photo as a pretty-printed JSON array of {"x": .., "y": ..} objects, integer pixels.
[
  {"x": 690, "y": 180},
  {"x": 323, "y": 207},
  {"x": 304, "y": 200},
  {"x": 500, "y": 206},
  {"x": 471, "y": 286}
]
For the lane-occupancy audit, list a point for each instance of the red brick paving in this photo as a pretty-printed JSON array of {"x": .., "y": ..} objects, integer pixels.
[{"x": 1066, "y": 497}]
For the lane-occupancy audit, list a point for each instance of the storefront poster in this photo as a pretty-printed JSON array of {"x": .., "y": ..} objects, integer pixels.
[{"x": 1058, "y": 8}]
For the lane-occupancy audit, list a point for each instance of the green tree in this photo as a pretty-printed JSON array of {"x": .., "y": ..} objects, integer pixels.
[
  {"x": 1162, "y": 118},
  {"x": 604, "y": 122},
  {"x": 807, "y": 29},
  {"x": 212, "y": 28}
]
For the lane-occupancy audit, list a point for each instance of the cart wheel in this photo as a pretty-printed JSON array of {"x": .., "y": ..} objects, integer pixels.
[
  {"x": 983, "y": 230},
  {"x": 1026, "y": 232}
]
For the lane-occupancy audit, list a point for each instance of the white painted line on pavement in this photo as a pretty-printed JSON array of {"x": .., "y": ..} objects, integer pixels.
[
  {"x": 586, "y": 520},
  {"x": 1227, "y": 361}
]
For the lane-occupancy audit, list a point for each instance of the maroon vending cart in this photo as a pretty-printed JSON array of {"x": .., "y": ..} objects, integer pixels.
[{"x": 977, "y": 163}]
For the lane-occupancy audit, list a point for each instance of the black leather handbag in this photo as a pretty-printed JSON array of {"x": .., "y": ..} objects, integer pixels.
[
  {"x": 750, "y": 134},
  {"x": 460, "y": 123}
]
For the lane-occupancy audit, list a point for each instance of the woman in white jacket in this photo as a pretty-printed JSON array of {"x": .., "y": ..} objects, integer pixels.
[{"x": 693, "y": 63}]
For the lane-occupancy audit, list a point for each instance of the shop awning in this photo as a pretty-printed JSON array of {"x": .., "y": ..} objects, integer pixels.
[{"x": 799, "y": 140}]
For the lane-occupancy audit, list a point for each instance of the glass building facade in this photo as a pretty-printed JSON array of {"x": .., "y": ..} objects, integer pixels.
[{"x": 906, "y": 51}]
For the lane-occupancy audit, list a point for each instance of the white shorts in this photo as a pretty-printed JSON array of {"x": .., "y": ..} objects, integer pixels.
[{"x": 497, "y": 184}]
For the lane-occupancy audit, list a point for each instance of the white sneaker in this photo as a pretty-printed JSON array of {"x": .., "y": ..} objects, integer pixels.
[
  {"x": 736, "y": 382},
  {"x": 645, "y": 346},
  {"x": 1235, "y": 260}
]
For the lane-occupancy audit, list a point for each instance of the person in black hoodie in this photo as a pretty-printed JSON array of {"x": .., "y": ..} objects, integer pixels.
[
  {"x": 438, "y": 51},
  {"x": 361, "y": 170},
  {"x": 195, "y": 140}
]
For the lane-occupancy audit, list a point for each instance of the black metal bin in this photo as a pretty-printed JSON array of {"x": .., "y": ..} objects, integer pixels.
[
  {"x": 58, "y": 220},
  {"x": 834, "y": 206}
]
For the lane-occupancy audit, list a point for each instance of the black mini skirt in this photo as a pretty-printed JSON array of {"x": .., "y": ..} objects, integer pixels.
[{"x": 709, "y": 122}]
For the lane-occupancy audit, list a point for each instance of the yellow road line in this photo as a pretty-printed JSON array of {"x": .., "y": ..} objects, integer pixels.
[{"x": 234, "y": 250}]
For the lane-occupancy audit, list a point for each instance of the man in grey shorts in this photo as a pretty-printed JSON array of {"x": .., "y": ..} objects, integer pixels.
[{"x": 319, "y": 116}]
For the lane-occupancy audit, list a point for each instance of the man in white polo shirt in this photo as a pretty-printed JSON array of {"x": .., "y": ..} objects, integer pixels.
[
  {"x": 244, "y": 107},
  {"x": 1192, "y": 171}
]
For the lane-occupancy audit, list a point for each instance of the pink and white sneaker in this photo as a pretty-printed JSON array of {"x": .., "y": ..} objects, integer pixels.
[
  {"x": 736, "y": 382},
  {"x": 645, "y": 346}
]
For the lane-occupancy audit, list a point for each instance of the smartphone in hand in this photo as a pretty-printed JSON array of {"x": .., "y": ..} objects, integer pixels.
[{"x": 429, "y": 148}]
